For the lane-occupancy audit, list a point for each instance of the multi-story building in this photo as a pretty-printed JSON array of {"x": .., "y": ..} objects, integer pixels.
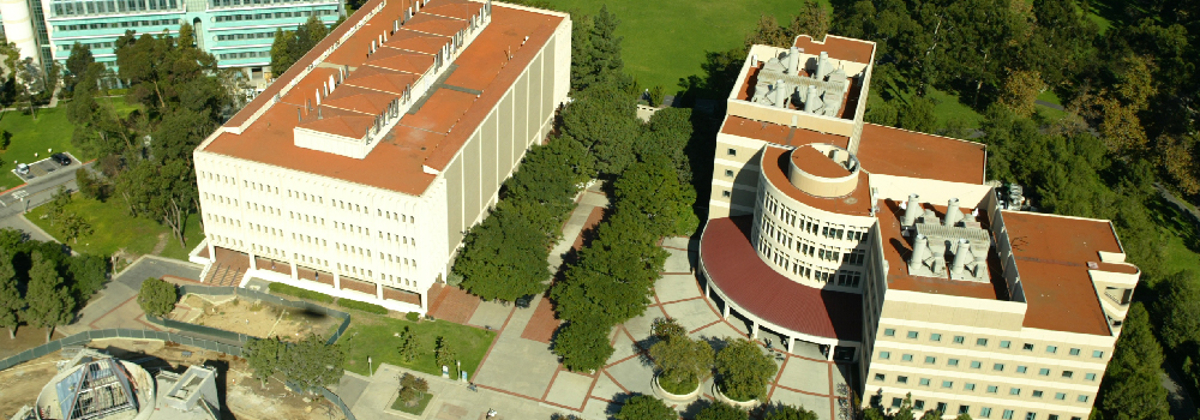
[
  {"x": 238, "y": 33},
  {"x": 358, "y": 171},
  {"x": 889, "y": 250}
]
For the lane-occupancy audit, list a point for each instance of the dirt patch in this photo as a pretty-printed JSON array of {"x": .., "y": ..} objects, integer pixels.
[
  {"x": 27, "y": 338},
  {"x": 252, "y": 317},
  {"x": 22, "y": 383}
]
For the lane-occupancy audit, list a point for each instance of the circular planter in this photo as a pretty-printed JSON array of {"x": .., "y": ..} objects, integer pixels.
[
  {"x": 662, "y": 393},
  {"x": 745, "y": 405}
]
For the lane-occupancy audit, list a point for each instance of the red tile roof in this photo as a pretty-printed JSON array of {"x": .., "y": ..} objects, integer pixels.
[
  {"x": 897, "y": 249},
  {"x": 1052, "y": 253},
  {"x": 893, "y": 151},
  {"x": 815, "y": 163},
  {"x": 400, "y": 60},
  {"x": 775, "y": 163},
  {"x": 733, "y": 266},
  {"x": 778, "y": 134},
  {"x": 430, "y": 136},
  {"x": 839, "y": 48},
  {"x": 460, "y": 9}
]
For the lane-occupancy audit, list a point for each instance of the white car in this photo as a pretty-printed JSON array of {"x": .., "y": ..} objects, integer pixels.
[{"x": 23, "y": 169}]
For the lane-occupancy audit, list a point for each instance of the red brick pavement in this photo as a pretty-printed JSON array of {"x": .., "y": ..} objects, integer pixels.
[
  {"x": 543, "y": 323},
  {"x": 452, "y": 304}
]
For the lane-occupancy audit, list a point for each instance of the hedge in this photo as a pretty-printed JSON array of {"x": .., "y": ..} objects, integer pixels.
[
  {"x": 362, "y": 306},
  {"x": 300, "y": 293}
]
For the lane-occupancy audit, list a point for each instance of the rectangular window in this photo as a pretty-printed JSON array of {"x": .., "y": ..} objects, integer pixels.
[
  {"x": 1068, "y": 374},
  {"x": 964, "y": 409},
  {"x": 1090, "y": 376},
  {"x": 976, "y": 364},
  {"x": 925, "y": 382},
  {"x": 889, "y": 332},
  {"x": 998, "y": 367},
  {"x": 952, "y": 362},
  {"x": 985, "y": 412},
  {"x": 726, "y": 194},
  {"x": 969, "y": 387},
  {"x": 729, "y": 173},
  {"x": 1061, "y": 396},
  {"x": 992, "y": 389},
  {"x": 1030, "y": 416},
  {"x": 1005, "y": 344},
  {"x": 935, "y": 337},
  {"x": 1008, "y": 415},
  {"x": 901, "y": 379},
  {"x": 1074, "y": 352},
  {"x": 929, "y": 360},
  {"x": 731, "y": 152},
  {"x": 1028, "y": 347},
  {"x": 1037, "y": 394},
  {"x": 981, "y": 342},
  {"x": 1082, "y": 398},
  {"x": 912, "y": 334},
  {"x": 1022, "y": 369},
  {"x": 880, "y": 377},
  {"x": 1051, "y": 349},
  {"x": 1053, "y": 417},
  {"x": 947, "y": 384},
  {"x": 1097, "y": 354},
  {"x": 958, "y": 339},
  {"x": 885, "y": 355},
  {"x": 895, "y": 401},
  {"x": 919, "y": 404},
  {"x": 907, "y": 357},
  {"x": 1014, "y": 391},
  {"x": 1044, "y": 372}
]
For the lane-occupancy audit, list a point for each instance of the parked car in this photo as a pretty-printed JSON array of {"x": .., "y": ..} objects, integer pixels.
[
  {"x": 23, "y": 169},
  {"x": 61, "y": 159}
]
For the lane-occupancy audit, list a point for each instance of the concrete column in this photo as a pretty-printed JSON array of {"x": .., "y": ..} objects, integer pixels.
[
  {"x": 212, "y": 251},
  {"x": 754, "y": 331},
  {"x": 725, "y": 310},
  {"x": 253, "y": 262},
  {"x": 378, "y": 291},
  {"x": 829, "y": 354},
  {"x": 707, "y": 291},
  {"x": 295, "y": 274},
  {"x": 337, "y": 281},
  {"x": 790, "y": 342}
]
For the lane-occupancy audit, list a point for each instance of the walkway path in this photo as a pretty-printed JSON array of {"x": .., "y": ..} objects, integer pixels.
[{"x": 115, "y": 305}]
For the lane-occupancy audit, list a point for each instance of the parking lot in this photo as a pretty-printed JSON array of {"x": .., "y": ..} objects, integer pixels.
[{"x": 44, "y": 167}]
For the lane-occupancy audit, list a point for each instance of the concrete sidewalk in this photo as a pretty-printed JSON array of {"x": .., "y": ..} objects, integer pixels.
[{"x": 115, "y": 306}]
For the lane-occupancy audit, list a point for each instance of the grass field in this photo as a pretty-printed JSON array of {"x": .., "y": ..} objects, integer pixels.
[
  {"x": 666, "y": 40},
  {"x": 1182, "y": 243},
  {"x": 113, "y": 230},
  {"x": 50, "y": 131},
  {"x": 373, "y": 336},
  {"x": 415, "y": 410}
]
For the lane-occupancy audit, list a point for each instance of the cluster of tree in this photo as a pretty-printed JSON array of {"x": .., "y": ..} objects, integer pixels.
[
  {"x": 412, "y": 389},
  {"x": 70, "y": 225},
  {"x": 1177, "y": 311},
  {"x": 146, "y": 157},
  {"x": 1132, "y": 388},
  {"x": 157, "y": 297},
  {"x": 906, "y": 411},
  {"x": 290, "y": 46},
  {"x": 504, "y": 257},
  {"x": 309, "y": 363},
  {"x": 645, "y": 407},
  {"x": 54, "y": 282},
  {"x": 681, "y": 360}
]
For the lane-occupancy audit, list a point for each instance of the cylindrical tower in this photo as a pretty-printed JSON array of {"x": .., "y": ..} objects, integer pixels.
[{"x": 18, "y": 27}]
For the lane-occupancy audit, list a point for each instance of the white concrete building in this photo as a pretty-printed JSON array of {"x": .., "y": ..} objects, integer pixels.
[{"x": 357, "y": 173}]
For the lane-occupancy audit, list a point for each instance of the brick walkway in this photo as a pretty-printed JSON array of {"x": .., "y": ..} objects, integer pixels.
[
  {"x": 542, "y": 325},
  {"x": 452, "y": 304}
]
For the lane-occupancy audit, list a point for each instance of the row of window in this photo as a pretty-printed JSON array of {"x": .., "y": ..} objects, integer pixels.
[
  {"x": 235, "y": 3},
  {"x": 249, "y": 54},
  {"x": 999, "y": 367},
  {"x": 811, "y": 225},
  {"x": 984, "y": 412},
  {"x": 273, "y": 15},
  {"x": 847, "y": 278},
  {"x": 121, "y": 24},
  {"x": 301, "y": 195},
  {"x": 246, "y": 35},
  {"x": 86, "y": 7},
  {"x": 991, "y": 389},
  {"x": 811, "y": 249},
  {"x": 983, "y": 342},
  {"x": 89, "y": 45}
]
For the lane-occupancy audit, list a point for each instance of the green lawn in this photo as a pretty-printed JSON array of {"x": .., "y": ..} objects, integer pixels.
[
  {"x": 113, "y": 230},
  {"x": 373, "y": 336},
  {"x": 665, "y": 40},
  {"x": 415, "y": 410},
  {"x": 950, "y": 108},
  {"x": 50, "y": 131},
  {"x": 1182, "y": 241}
]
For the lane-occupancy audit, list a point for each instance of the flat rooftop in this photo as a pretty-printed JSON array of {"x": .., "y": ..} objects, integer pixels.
[
  {"x": 430, "y": 134},
  {"x": 893, "y": 151},
  {"x": 897, "y": 249},
  {"x": 778, "y": 134},
  {"x": 849, "y": 49},
  {"x": 1052, "y": 254},
  {"x": 776, "y": 162}
]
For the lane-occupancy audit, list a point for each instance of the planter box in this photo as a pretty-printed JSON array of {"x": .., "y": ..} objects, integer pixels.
[
  {"x": 745, "y": 405},
  {"x": 662, "y": 393}
]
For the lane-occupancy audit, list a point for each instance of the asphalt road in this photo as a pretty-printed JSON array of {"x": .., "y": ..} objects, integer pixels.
[{"x": 37, "y": 192}]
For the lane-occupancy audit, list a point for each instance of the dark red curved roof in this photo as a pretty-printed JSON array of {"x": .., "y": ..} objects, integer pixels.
[{"x": 733, "y": 265}]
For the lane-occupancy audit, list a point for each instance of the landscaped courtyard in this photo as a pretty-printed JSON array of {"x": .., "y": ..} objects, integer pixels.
[
  {"x": 114, "y": 230},
  {"x": 377, "y": 337}
]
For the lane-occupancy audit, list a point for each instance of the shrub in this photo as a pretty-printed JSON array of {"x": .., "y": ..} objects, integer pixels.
[
  {"x": 290, "y": 290},
  {"x": 362, "y": 306},
  {"x": 583, "y": 346},
  {"x": 645, "y": 407},
  {"x": 412, "y": 316},
  {"x": 681, "y": 361},
  {"x": 157, "y": 297}
]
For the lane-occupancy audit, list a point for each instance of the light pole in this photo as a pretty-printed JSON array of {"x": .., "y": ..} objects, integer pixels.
[{"x": 370, "y": 372}]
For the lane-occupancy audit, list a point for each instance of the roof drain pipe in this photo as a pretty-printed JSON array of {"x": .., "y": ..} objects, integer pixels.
[
  {"x": 912, "y": 211},
  {"x": 953, "y": 213},
  {"x": 961, "y": 256},
  {"x": 920, "y": 251}
]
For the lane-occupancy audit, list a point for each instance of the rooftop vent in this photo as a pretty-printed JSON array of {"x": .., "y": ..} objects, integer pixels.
[{"x": 956, "y": 239}]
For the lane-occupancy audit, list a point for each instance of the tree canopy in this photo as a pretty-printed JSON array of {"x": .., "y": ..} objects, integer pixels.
[
  {"x": 645, "y": 407},
  {"x": 157, "y": 297},
  {"x": 50, "y": 304},
  {"x": 744, "y": 370}
]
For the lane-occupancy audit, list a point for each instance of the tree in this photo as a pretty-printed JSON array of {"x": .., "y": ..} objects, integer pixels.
[
  {"x": 583, "y": 346},
  {"x": 91, "y": 185},
  {"x": 1021, "y": 90},
  {"x": 663, "y": 205},
  {"x": 11, "y": 303},
  {"x": 264, "y": 357},
  {"x": 281, "y": 54},
  {"x": 88, "y": 274},
  {"x": 50, "y": 304},
  {"x": 77, "y": 64},
  {"x": 1178, "y": 309},
  {"x": 412, "y": 389},
  {"x": 312, "y": 363},
  {"x": 445, "y": 354},
  {"x": 408, "y": 347},
  {"x": 744, "y": 370},
  {"x": 187, "y": 35},
  {"x": 59, "y": 203},
  {"x": 596, "y": 50},
  {"x": 682, "y": 361},
  {"x": 918, "y": 115},
  {"x": 32, "y": 82},
  {"x": 721, "y": 411},
  {"x": 504, "y": 258},
  {"x": 603, "y": 118},
  {"x": 789, "y": 412},
  {"x": 812, "y": 20},
  {"x": 157, "y": 297},
  {"x": 645, "y": 407},
  {"x": 1131, "y": 388},
  {"x": 73, "y": 226}
]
